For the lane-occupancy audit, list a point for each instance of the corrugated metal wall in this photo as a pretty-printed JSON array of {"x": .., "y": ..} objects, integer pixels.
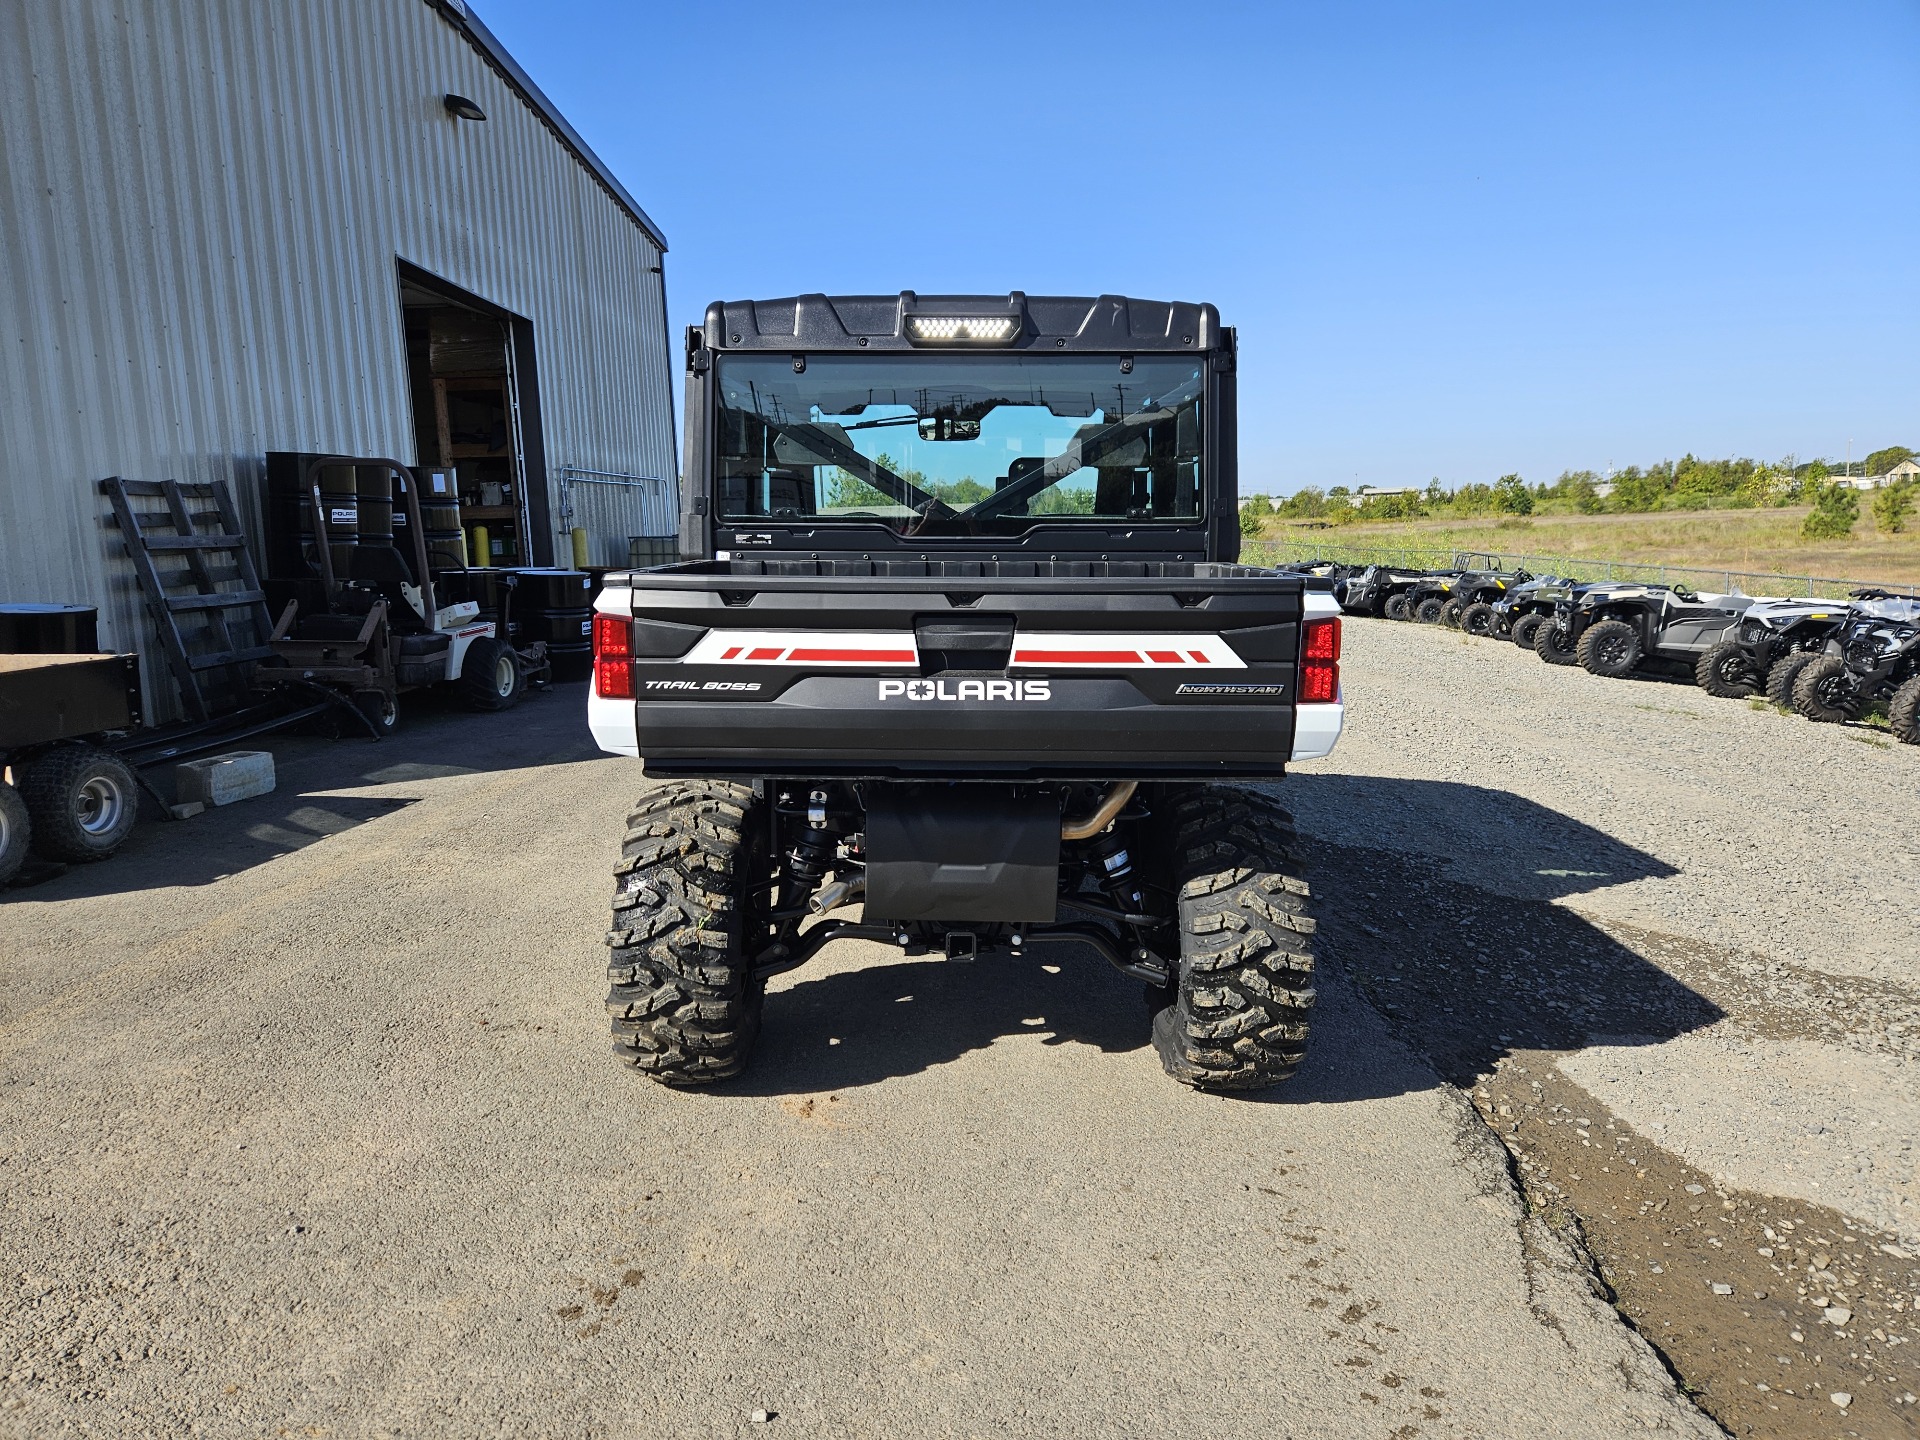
[{"x": 201, "y": 208}]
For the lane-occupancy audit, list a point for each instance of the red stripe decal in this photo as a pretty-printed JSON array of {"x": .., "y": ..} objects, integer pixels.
[
  {"x": 1165, "y": 657},
  {"x": 1077, "y": 657},
  {"x": 872, "y": 657},
  {"x": 773, "y": 654},
  {"x": 731, "y": 652},
  {"x": 1199, "y": 658}
]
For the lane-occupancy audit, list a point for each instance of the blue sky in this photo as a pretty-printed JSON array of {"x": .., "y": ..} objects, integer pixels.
[{"x": 1456, "y": 240}]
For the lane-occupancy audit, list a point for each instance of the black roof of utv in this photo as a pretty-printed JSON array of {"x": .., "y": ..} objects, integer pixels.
[{"x": 1104, "y": 323}]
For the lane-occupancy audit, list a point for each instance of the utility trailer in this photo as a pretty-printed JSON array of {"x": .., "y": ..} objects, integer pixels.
[
  {"x": 71, "y": 797},
  {"x": 963, "y": 642}
]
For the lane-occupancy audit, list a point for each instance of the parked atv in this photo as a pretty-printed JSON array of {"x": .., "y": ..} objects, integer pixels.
[
  {"x": 1469, "y": 604},
  {"x": 1875, "y": 657},
  {"x": 1783, "y": 633},
  {"x": 1521, "y": 609},
  {"x": 1618, "y": 629},
  {"x": 1331, "y": 571},
  {"x": 1554, "y": 637},
  {"x": 1426, "y": 598},
  {"x": 1381, "y": 591}
]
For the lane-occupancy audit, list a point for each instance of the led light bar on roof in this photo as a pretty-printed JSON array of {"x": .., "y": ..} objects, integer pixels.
[{"x": 961, "y": 329}]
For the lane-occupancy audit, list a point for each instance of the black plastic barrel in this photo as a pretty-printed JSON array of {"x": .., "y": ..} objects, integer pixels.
[
  {"x": 446, "y": 540},
  {"x": 340, "y": 502},
  {"x": 29, "y": 627},
  {"x": 373, "y": 491}
]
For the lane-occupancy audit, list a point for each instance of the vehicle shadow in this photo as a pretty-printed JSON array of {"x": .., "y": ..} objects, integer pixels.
[
  {"x": 436, "y": 738},
  {"x": 1465, "y": 960}
]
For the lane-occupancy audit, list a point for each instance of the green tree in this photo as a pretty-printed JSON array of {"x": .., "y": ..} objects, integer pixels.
[
  {"x": 1253, "y": 512},
  {"x": 1765, "y": 485},
  {"x": 1892, "y": 506},
  {"x": 1339, "y": 508},
  {"x": 1511, "y": 496},
  {"x": 1881, "y": 461},
  {"x": 1435, "y": 494},
  {"x": 1306, "y": 503},
  {"x": 1577, "y": 488},
  {"x": 1835, "y": 509},
  {"x": 964, "y": 491},
  {"x": 1636, "y": 491}
]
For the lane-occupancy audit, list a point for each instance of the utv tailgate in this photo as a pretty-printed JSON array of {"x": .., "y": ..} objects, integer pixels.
[{"x": 1165, "y": 670}]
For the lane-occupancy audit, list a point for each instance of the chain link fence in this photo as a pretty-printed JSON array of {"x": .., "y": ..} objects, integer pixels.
[{"x": 1742, "y": 582}]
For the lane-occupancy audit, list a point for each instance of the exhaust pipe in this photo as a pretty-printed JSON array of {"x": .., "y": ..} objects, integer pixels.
[
  {"x": 831, "y": 897},
  {"x": 1102, "y": 816}
]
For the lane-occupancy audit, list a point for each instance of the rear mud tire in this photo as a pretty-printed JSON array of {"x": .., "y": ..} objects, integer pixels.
[
  {"x": 1240, "y": 1002},
  {"x": 1525, "y": 628},
  {"x": 1427, "y": 612},
  {"x": 1727, "y": 672},
  {"x": 1781, "y": 677},
  {"x": 16, "y": 833},
  {"x": 83, "y": 801},
  {"x": 1478, "y": 619},
  {"x": 1397, "y": 608},
  {"x": 690, "y": 894},
  {"x": 1551, "y": 645},
  {"x": 1450, "y": 613},
  {"x": 1609, "y": 648},
  {"x": 1817, "y": 693},
  {"x": 1903, "y": 713}
]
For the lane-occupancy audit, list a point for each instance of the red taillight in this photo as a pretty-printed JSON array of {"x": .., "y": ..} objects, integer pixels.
[
  {"x": 1320, "y": 662},
  {"x": 613, "y": 657}
]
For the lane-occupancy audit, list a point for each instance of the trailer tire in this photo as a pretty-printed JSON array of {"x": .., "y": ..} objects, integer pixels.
[
  {"x": 1903, "y": 713},
  {"x": 1816, "y": 696},
  {"x": 83, "y": 801},
  {"x": 1396, "y": 608},
  {"x": 1781, "y": 677},
  {"x": 490, "y": 676},
  {"x": 1551, "y": 646},
  {"x": 1478, "y": 619},
  {"x": 1727, "y": 672},
  {"x": 689, "y": 894},
  {"x": 1609, "y": 648},
  {"x": 16, "y": 832},
  {"x": 1525, "y": 628},
  {"x": 1240, "y": 1001}
]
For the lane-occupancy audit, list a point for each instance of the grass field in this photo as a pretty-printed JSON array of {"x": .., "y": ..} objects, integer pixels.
[{"x": 1751, "y": 540}]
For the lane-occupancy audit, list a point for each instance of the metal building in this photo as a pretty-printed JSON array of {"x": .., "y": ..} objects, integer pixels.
[{"x": 229, "y": 228}]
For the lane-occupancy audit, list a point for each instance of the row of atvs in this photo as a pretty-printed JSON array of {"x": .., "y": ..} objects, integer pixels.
[{"x": 1831, "y": 660}]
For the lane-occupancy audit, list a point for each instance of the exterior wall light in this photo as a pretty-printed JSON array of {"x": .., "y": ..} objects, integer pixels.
[{"x": 461, "y": 108}]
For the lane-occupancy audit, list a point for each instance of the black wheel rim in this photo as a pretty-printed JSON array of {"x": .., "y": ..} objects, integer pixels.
[{"x": 1613, "y": 652}]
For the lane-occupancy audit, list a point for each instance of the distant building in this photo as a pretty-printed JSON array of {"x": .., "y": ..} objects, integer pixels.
[
  {"x": 1381, "y": 492},
  {"x": 1907, "y": 470}
]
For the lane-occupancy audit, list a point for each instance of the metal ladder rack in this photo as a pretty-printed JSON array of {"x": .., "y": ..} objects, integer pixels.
[{"x": 210, "y": 651}]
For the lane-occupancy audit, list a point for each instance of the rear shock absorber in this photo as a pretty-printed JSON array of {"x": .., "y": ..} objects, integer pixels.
[
  {"x": 808, "y": 858},
  {"x": 1117, "y": 876}
]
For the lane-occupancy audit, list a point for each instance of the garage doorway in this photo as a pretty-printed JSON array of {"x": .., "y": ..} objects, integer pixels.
[{"x": 476, "y": 416}]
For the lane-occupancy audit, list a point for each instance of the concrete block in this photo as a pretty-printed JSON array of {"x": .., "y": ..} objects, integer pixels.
[{"x": 223, "y": 779}]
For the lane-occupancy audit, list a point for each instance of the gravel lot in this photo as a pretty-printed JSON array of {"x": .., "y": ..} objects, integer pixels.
[
  {"x": 307, "y": 1122},
  {"x": 1688, "y": 925}
]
